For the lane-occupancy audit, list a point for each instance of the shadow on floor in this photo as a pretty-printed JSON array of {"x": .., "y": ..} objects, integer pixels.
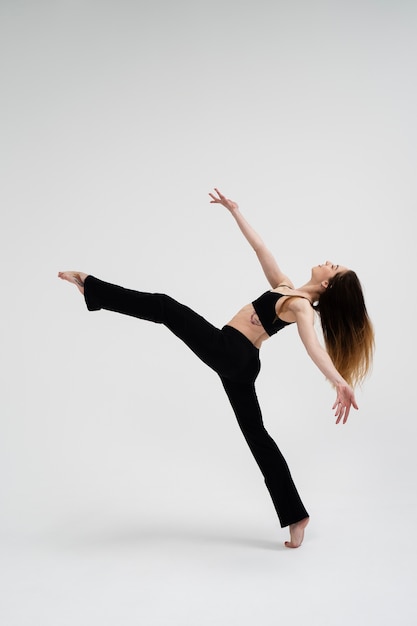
[{"x": 140, "y": 535}]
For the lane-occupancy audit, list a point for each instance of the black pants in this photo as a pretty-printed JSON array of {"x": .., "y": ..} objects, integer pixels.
[{"x": 235, "y": 359}]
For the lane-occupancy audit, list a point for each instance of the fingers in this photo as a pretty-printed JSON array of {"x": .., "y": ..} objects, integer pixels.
[
  {"x": 221, "y": 199},
  {"x": 343, "y": 404},
  {"x": 220, "y": 195},
  {"x": 342, "y": 412},
  {"x": 339, "y": 413}
]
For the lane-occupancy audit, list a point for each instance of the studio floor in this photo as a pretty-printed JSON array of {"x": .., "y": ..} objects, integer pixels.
[{"x": 219, "y": 572}]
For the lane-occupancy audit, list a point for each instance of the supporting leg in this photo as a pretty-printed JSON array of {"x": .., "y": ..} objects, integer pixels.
[{"x": 272, "y": 464}]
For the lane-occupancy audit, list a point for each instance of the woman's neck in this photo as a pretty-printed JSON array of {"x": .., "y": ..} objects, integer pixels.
[{"x": 313, "y": 291}]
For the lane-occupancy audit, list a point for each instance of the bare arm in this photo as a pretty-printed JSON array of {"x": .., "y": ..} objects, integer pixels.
[
  {"x": 269, "y": 265},
  {"x": 345, "y": 397}
]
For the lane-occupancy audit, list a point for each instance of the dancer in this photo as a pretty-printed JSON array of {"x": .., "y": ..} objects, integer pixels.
[{"x": 333, "y": 291}]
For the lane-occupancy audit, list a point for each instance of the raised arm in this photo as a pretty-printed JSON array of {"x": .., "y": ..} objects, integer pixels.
[
  {"x": 345, "y": 397},
  {"x": 269, "y": 265}
]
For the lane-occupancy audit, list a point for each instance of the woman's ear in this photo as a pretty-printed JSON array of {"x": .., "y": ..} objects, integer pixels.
[{"x": 324, "y": 284}]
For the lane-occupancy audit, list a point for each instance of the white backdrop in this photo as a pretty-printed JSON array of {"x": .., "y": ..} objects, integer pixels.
[{"x": 117, "y": 120}]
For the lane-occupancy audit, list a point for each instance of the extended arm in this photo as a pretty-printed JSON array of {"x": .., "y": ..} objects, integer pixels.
[
  {"x": 305, "y": 323},
  {"x": 269, "y": 265}
]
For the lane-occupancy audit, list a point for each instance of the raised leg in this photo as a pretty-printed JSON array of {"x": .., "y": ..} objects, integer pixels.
[{"x": 225, "y": 351}]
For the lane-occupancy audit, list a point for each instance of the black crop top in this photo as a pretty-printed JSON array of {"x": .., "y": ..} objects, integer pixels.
[{"x": 265, "y": 309}]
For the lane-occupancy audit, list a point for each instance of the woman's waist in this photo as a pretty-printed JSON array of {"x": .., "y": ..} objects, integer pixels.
[{"x": 245, "y": 324}]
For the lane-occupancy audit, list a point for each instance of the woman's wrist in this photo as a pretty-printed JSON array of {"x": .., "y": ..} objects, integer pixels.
[{"x": 340, "y": 382}]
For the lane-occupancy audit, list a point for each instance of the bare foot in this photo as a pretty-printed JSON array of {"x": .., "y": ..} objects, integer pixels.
[
  {"x": 76, "y": 278},
  {"x": 297, "y": 533}
]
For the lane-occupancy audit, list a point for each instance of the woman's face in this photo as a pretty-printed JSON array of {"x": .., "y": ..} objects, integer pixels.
[{"x": 326, "y": 271}]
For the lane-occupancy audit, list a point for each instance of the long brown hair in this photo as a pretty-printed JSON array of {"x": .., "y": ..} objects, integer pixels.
[{"x": 347, "y": 330}]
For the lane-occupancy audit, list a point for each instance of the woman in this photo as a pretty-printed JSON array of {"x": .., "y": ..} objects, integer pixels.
[{"x": 233, "y": 352}]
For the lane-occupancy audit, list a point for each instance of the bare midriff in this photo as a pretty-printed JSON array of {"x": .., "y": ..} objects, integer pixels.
[{"x": 247, "y": 322}]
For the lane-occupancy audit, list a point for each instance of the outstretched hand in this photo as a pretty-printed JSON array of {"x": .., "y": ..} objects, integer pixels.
[
  {"x": 221, "y": 199},
  {"x": 344, "y": 400}
]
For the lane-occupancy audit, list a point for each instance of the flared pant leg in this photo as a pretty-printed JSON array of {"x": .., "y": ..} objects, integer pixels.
[
  {"x": 271, "y": 462},
  {"x": 204, "y": 339}
]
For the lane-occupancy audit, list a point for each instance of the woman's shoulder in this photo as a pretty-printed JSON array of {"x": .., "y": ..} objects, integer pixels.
[
  {"x": 291, "y": 293},
  {"x": 299, "y": 302},
  {"x": 295, "y": 301}
]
